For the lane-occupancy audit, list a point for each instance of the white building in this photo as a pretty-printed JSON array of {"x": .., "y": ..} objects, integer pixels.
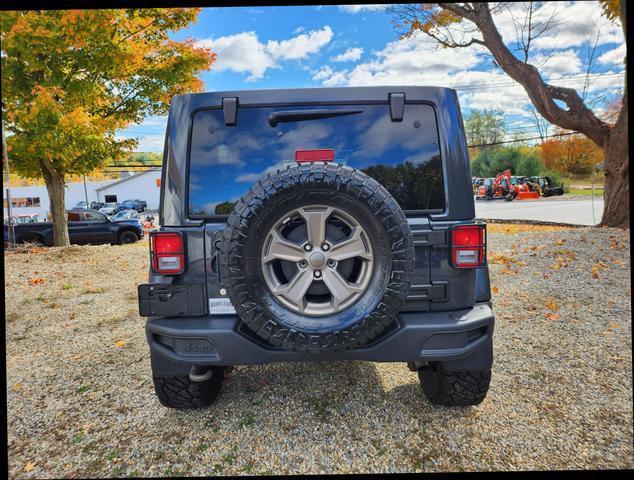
[
  {"x": 143, "y": 186},
  {"x": 34, "y": 199}
]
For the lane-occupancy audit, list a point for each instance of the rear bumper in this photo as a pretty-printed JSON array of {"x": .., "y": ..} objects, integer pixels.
[{"x": 463, "y": 337}]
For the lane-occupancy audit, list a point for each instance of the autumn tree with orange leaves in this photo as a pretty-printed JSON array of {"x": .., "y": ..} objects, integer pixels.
[
  {"x": 72, "y": 78},
  {"x": 572, "y": 154}
]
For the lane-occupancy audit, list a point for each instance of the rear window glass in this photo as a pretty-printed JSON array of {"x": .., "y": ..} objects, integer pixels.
[{"x": 403, "y": 156}]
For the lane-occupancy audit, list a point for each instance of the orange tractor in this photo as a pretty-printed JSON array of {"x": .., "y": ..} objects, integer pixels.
[{"x": 506, "y": 187}]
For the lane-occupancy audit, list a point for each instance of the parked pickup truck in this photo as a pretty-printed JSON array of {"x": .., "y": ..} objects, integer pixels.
[{"x": 84, "y": 226}]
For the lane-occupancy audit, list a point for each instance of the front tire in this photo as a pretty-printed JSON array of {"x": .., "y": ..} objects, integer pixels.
[
  {"x": 454, "y": 388},
  {"x": 127, "y": 237},
  {"x": 183, "y": 393}
]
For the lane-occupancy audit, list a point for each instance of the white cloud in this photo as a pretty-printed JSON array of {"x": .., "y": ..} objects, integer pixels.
[
  {"x": 615, "y": 56},
  {"x": 360, "y": 8},
  {"x": 575, "y": 23},
  {"x": 243, "y": 52},
  {"x": 300, "y": 46},
  {"x": 408, "y": 62},
  {"x": 350, "y": 55},
  {"x": 566, "y": 62},
  {"x": 323, "y": 73},
  {"x": 299, "y": 29}
]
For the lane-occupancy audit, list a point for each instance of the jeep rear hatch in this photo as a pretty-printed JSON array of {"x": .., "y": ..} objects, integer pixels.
[{"x": 226, "y": 159}]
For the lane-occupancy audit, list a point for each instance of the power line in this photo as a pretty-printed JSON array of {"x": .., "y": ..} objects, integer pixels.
[
  {"x": 514, "y": 83},
  {"x": 523, "y": 140}
]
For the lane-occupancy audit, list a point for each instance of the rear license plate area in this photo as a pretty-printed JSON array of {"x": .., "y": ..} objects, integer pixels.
[{"x": 171, "y": 300}]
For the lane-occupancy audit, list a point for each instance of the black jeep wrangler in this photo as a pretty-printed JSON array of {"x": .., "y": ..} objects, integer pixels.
[{"x": 317, "y": 225}]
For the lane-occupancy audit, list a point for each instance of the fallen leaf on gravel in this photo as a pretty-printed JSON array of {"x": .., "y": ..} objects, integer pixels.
[
  {"x": 552, "y": 316},
  {"x": 77, "y": 357},
  {"x": 71, "y": 316},
  {"x": 36, "y": 281},
  {"x": 17, "y": 387},
  {"x": 551, "y": 305},
  {"x": 618, "y": 261},
  {"x": 120, "y": 343},
  {"x": 29, "y": 466},
  {"x": 495, "y": 289},
  {"x": 613, "y": 325},
  {"x": 560, "y": 242},
  {"x": 616, "y": 245}
]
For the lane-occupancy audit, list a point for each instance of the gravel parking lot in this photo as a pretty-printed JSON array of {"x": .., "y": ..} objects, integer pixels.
[{"x": 81, "y": 401}]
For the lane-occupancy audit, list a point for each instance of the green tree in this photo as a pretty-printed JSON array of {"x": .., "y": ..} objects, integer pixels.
[
  {"x": 72, "y": 78},
  {"x": 485, "y": 126},
  {"x": 524, "y": 161}
]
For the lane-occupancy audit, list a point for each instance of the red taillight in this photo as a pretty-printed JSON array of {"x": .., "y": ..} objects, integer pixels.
[
  {"x": 325, "y": 155},
  {"x": 468, "y": 246},
  {"x": 167, "y": 253}
]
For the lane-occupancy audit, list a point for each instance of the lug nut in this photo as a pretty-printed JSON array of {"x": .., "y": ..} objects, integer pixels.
[
  {"x": 308, "y": 247},
  {"x": 331, "y": 263},
  {"x": 325, "y": 247},
  {"x": 303, "y": 263},
  {"x": 317, "y": 274}
]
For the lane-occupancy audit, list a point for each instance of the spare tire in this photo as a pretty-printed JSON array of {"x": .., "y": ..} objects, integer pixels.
[{"x": 317, "y": 257}]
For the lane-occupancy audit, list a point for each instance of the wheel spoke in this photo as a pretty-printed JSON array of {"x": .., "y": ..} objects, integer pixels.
[
  {"x": 339, "y": 288},
  {"x": 316, "y": 224},
  {"x": 295, "y": 290},
  {"x": 283, "y": 249},
  {"x": 349, "y": 248}
]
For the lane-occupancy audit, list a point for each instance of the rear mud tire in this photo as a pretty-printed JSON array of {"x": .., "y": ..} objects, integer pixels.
[
  {"x": 454, "y": 388},
  {"x": 364, "y": 199},
  {"x": 183, "y": 393}
]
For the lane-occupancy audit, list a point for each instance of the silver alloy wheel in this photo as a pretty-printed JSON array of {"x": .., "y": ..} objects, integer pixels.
[{"x": 317, "y": 260}]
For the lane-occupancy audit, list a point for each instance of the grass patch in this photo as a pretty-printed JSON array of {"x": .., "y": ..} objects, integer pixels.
[
  {"x": 83, "y": 388},
  {"x": 598, "y": 192},
  {"x": 78, "y": 437},
  {"x": 94, "y": 290},
  {"x": 67, "y": 286},
  {"x": 12, "y": 317},
  {"x": 246, "y": 421},
  {"x": 112, "y": 455}
]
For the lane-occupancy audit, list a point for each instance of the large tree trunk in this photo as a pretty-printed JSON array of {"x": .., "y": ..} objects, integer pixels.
[
  {"x": 55, "y": 187},
  {"x": 616, "y": 194}
]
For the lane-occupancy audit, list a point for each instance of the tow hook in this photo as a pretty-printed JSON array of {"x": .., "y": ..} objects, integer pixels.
[{"x": 199, "y": 374}]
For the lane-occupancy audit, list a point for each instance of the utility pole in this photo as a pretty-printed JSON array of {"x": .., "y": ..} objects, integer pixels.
[
  {"x": 85, "y": 191},
  {"x": 7, "y": 179}
]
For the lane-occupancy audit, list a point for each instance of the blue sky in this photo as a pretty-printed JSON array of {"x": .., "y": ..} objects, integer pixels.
[{"x": 354, "y": 45}]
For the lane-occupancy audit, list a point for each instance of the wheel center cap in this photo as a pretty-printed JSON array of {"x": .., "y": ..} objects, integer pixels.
[{"x": 316, "y": 259}]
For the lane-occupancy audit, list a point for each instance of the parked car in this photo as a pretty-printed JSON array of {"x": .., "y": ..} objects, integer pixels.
[
  {"x": 321, "y": 255},
  {"x": 81, "y": 204},
  {"x": 125, "y": 215},
  {"x": 111, "y": 208},
  {"x": 26, "y": 218},
  {"x": 138, "y": 205},
  {"x": 84, "y": 226},
  {"x": 97, "y": 205}
]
